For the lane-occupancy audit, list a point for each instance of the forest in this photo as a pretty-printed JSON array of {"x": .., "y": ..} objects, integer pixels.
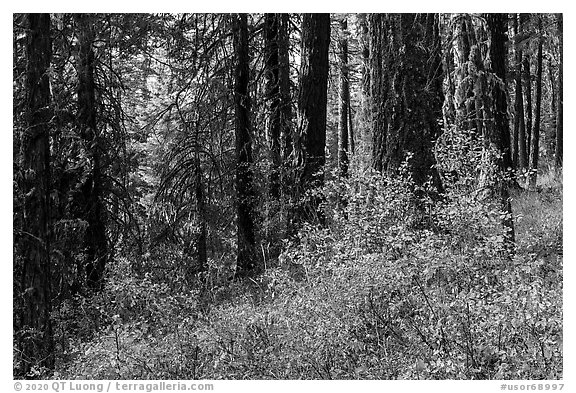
[{"x": 287, "y": 196}]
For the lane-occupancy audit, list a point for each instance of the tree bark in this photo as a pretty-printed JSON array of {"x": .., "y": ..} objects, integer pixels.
[
  {"x": 35, "y": 337},
  {"x": 284, "y": 81},
  {"x": 535, "y": 140},
  {"x": 344, "y": 101},
  {"x": 551, "y": 130},
  {"x": 92, "y": 193},
  {"x": 497, "y": 158},
  {"x": 245, "y": 194},
  {"x": 312, "y": 100},
  {"x": 528, "y": 96},
  {"x": 406, "y": 92},
  {"x": 559, "y": 154},
  {"x": 519, "y": 124},
  {"x": 272, "y": 94},
  {"x": 364, "y": 134},
  {"x": 463, "y": 94},
  {"x": 351, "y": 140},
  {"x": 378, "y": 31}
]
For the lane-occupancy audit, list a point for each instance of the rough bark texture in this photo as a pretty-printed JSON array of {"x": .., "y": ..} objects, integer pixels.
[
  {"x": 245, "y": 197},
  {"x": 272, "y": 94},
  {"x": 34, "y": 335},
  {"x": 406, "y": 94},
  {"x": 518, "y": 140},
  {"x": 528, "y": 100},
  {"x": 535, "y": 139},
  {"x": 91, "y": 192},
  {"x": 365, "y": 132},
  {"x": 378, "y": 31},
  {"x": 497, "y": 158},
  {"x": 312, "y": 100},
  {"x": 551, "y": 129},
  {"x": 464, "y": 116},
  {"x": 559, "y": 154},
  {"x": 344, "y": 100},
  {"x": 520, "y": 153},
  {"x": 284, "y": 81}
]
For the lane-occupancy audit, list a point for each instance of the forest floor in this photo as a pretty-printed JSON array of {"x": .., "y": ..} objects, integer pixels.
[{"x": 375, "y": 296}]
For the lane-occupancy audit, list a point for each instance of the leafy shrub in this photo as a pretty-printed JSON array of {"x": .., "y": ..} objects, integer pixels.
[{"x": 373, "y": 295}]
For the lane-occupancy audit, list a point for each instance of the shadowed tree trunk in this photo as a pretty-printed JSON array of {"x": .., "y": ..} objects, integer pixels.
[
  {"x": 365, "y": 132},
  {"x": 521, "y": 157},
  {"x": 245, "y": 195},
  {"x": 463, "y": 94},
  {"x": 35, "y": 337},
  {"x": 312, "y": 100},
  {"x": 551, "y": 130},
  {"x": 535, "y": 140},
  {"x": 273, "y": 99},
  {"x": 528, "y": 96},
  {"x": 284, "y": 81},
  {"x": 496, "y": 154},
  {"x": 344, "y": 102},
  {"x": 559, "y": 119},
  {"x": 351, "y": 140},
  {"x": 92, "y": 193},
  {"x": 406, "y": 92}
]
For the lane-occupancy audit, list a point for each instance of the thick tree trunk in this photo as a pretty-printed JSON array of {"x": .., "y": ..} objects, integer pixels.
[
  {"x": 519, "y": 124},
  {"x": 35, "y": 337},
  {"x": 535, "y": 140},
  {"x": 246, "y": 261},
  {"x": 497, "y": 158},
  {"x": 312, "y": 100},
  {"x": 364, "y": 134},
  {"x": 406, "y": 94},
  {"x": 274, "y": 121},
  {"x": 463, "y": 94},
  {"x": 559, "y": 155},
  {"x": 378, "y": 32},
  {"x": 92, "y": 193},
  {"x": 344, "y": 101},
  {"x": 284, "y": 81}
]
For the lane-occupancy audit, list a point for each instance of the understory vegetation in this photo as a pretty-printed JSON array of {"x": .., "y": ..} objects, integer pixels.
[
  {"x": 374, "y": 295},
  {"x": 287, "y": 196}
]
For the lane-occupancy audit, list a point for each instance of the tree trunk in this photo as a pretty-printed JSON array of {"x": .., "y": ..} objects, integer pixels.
[
  {"x": 559, "y": 156},
  {"x": 272, "y": 94},
  {"x": 497, "y": 158},
  {"x": 351, "y": 140},
  {"x": 312, "y": 100},
  {"x": 406, "y": 87},
  {"x": 463, "y": 94},
  {"x": 519, "y": 125},
  {"x": 535, "y": 140},
  {"x": 528, "y": 96},
  {"x": 245, "y": 194},
  {"x": 35, "y": 337},
  {"x": 551, "y": 129},
  {"x": 202, "y": 257},
  {"x": 378, "y": 32},
  {"x": 93, "y": 214},
  {"x": 284, "y": 81},
  {"x": 366, "y": 116},
  {"x": 344, "y": 101}
]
